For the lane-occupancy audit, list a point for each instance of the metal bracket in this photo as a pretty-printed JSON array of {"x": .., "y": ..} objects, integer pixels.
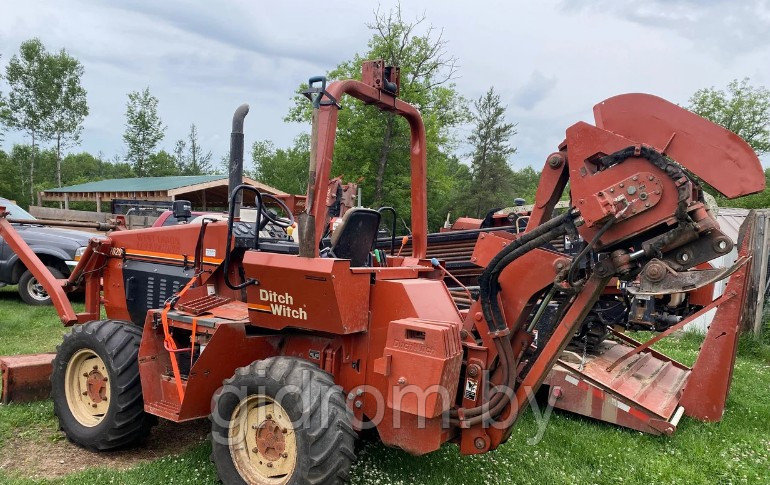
[{"x": 658, "y": 278}]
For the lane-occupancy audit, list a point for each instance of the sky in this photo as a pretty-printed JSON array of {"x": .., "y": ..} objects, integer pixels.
[{"x": 551, "y": 61}]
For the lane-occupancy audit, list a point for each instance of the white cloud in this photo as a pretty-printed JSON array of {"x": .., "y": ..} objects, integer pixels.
[{"x": 551, "y": 61}]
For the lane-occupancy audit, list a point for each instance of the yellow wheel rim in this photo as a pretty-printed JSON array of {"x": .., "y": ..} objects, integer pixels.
[
  {"x": 87, "y": 387},
  {"x": 262, "y": 441}
]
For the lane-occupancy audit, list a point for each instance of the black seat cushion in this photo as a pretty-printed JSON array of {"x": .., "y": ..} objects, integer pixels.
[{"x": 354, "y": 238}]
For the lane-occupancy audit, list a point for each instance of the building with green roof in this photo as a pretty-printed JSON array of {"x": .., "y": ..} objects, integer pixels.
[{"x": 203, "y": 191}]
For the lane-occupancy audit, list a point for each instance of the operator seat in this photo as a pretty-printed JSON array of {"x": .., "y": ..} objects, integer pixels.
[{"x": 354, "y": 238}]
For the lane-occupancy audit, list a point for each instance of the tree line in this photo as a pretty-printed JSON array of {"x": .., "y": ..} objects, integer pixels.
[{"x": 46, "y": 102}]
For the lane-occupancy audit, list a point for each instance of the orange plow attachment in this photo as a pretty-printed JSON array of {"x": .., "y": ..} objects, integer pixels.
[{"x": 629, "y": 384}]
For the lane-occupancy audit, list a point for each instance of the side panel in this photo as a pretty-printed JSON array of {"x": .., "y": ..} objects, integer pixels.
[
  {"x": 148, "y": 285},
  {"x": 312, "y": 294},
  {"x": 394, "y": 300}
]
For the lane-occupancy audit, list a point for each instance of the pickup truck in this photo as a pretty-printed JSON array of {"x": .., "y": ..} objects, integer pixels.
[{"x": 59, "y": 249}]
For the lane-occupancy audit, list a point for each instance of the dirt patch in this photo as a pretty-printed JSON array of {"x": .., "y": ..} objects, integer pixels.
[{"x": 41, "y": 457}]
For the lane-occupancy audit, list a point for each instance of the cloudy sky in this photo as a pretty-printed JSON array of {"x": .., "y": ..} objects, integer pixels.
[{"x": 550, "y": 60}]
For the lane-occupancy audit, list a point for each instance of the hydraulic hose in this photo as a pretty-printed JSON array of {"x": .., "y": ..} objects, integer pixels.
[{"x": 489, "y": 289}]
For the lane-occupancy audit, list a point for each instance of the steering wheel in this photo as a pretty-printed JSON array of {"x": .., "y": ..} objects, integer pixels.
[{"x": 278, "y": 221}]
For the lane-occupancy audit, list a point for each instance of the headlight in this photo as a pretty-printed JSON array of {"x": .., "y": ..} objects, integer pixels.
[{"x": 79, "y": 253}]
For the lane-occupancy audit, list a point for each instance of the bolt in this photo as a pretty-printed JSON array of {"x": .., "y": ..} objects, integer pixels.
[
  {"x": 96, "y": 367},
  {"x": 621, "y": 185},
  {"x": 105, "y": 379},
  {"x": 473, "y": 370},
  {"x": 635, "y": 178},
  {"x": 359, "y": 391},
  {"x": 85, "y": 374},
  {"x": 284, "y": 455},
  {"x": 284, "y": 430},
  {"x": 647, "y": 204},
  {"x": 601, "y": 270},
  {"x": 350, "y": 396},
  {"x": 650, "y": 178},
  {"x": 480, "y": 443},
  {"x": 655, "y": 272},
  {"x": 643, "y": 195},
  {"x": 85, "y": 393},
  {"x": 105, "y": 399},
  {"x": 555, "y": 161},
  {"x": 631, "y": 189},
  {"x": 269, "y": 465},
  {"x": 612, "y": 189},
  {"x": 477, "y": 316},
  {"x": 93, "y": 405},
  {"x": 254, "y": 426},
  {"x": 402, "y": 380},
  {"x": 255, "y": 450},
  {"x": 269, "y": 416},
  {"x": 359, "y": 404},
  {"x": 579, "y": 221}
]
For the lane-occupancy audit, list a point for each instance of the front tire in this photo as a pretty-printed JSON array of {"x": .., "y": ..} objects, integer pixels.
[
  {"x": 32, "y": 292},
  {"x": 95, "y": 386},
  {"x": 281, "y": 421}
]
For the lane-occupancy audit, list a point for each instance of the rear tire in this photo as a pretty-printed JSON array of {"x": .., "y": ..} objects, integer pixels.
[
  {"x": 95, "y": 386},
  {"x": 314, "y": 445},
  {"x": 31, "y": 291}
]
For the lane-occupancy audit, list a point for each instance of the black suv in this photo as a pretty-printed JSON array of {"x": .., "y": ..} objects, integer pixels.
[{"x": 59, "y": 249}]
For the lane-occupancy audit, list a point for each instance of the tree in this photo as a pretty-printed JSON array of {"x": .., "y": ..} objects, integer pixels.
[
  {"x": 144, "y": 129},
  {"x": 374, "y": 145},
  {"x": 198, "y": 161},
  {"x": 180, "y": 155},
  {"x": 70, "y": 106},
  {"x": 491, "y": 176},
  {"x": 2, "y": 112},
  {"x": 284, "y": 169},
  {"x": 744, "y": 109},
  {"x": 524, "y": 183},
  {"x": 30, "y": 99},
  {"x": 160, "y": 164}
]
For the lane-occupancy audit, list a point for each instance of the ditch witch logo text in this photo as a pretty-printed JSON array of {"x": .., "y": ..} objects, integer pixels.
[{"x": 279, "y": 304}]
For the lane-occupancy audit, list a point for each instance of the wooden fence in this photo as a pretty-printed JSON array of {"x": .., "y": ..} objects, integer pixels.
[
  {"x": 757, "y": 310},
  {"x": 132, "y": 221}
]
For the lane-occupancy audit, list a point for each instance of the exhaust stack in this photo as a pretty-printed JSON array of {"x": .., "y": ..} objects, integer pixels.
[{"x": 236, "y": 156}]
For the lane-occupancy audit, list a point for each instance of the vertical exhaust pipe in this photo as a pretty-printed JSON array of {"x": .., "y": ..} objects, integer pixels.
[{"x": 236, "y": 157}]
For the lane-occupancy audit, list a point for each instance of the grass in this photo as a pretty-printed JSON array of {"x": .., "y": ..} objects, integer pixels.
[{"x": 573, "y": 449}]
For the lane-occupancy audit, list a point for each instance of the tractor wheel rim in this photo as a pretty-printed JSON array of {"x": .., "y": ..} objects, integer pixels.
[
  {"x": 262, "y": 441},
  {"x": 87, "y": 387},
  {"x": 36, "y": 290}
]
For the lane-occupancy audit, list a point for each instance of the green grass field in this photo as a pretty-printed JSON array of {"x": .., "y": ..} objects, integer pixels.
[{"x": 573, "y": 449}]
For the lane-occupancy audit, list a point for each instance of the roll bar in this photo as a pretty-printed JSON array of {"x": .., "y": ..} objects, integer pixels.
[{"x": 327, "y": 117}]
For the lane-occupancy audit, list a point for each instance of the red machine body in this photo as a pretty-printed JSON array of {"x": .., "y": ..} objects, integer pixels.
[{"x": 388, "y": 331}]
